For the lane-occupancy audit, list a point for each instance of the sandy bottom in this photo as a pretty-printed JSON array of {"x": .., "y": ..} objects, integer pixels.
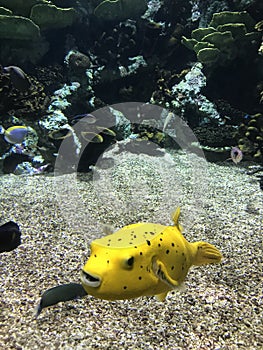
[{"x": 222, "y": 305}]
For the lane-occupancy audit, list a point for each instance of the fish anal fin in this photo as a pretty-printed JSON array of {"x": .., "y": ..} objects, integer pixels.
[{"x": 161, "y": 296}]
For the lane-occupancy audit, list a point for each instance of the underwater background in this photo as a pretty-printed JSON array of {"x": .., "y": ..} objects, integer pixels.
[{"x": 116, "y": 112}]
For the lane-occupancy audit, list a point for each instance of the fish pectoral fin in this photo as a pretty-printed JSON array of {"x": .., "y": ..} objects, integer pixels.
[
  {"x": 161, "y": 272},
  {"x": 161, "y": 296}
]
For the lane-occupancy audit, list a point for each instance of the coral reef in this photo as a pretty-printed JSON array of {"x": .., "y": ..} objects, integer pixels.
[
  {"x": 119, "y": 10},
  {"x": 30, "y": 103},
  {"x": 228, "y": 36},
  {"x": 202, "y": 11},
  {"x": 23, "y": 26},
  {"x": 48, "y": 16},
  {"x": 187, "y": 100},
  {"x": 250, "y": 137},
  {"x": 77, "y": 62},
  {"x": 123, "y": 50}
]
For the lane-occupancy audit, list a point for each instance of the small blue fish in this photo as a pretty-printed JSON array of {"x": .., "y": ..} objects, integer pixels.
[
  {"x": 14, "y": 134},
  {"x": 236, "y": 155}
]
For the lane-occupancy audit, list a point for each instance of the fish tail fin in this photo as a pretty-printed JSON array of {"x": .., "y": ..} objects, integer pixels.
[{"x": 205, "y": 253}]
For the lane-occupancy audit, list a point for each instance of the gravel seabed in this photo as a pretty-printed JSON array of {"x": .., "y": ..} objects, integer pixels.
[{"x": 222, "y": 305}]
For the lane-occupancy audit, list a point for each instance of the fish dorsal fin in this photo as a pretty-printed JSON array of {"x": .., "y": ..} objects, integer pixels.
[{"x": 175, "y": 218}]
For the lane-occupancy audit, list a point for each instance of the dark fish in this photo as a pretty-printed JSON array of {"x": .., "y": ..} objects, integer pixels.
[
  {"x": 18, "y": 78},
  {"x": 64, "y": 292},
  {"x": 10, "y": 236}
]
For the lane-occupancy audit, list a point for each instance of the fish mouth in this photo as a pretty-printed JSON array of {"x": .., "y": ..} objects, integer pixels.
[{"x": 90, "y": 280}]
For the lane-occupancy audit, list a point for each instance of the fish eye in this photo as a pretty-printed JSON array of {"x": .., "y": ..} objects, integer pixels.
[{"x": 128, "y": 263}]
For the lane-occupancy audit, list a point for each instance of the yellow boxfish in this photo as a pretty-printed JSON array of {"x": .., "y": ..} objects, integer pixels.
[
  {"x": 143, "y": 259},
  {"x": 137, "y": 260}
]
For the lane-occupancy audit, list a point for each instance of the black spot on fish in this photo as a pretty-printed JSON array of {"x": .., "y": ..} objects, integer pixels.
[
  {"x": 182, "y": 268},
  {"x": 152, "y": 233},
  {"x": 148, "y": 242},
  {"x": 135, "y": 246},
  {"x": 134, "y": 236},
  {"x": 172, "y": 244},
  {"x": 130, "y": 261},
  {"x": 108, "y": 244},
  {"x": 95, "y": 256},
  {"x": 167, "y": 251},
  {"x": 119, "y": 239},
  {"x": 161, "y": 239},
  {"x": 140, "y": 278},
  {"x": 182, "y": 254},
  {"x": 130, "y": 243},
  {"x": 109, "y": 240},
  {"x": 140, "y": 253},
  {"x": 161, "y": 233},
  {"x": 141, "y": 267},
  {"x": 172, "y": 267},
  {"x": 176, "y": 251},
  {"x": 125, "y": 287},
  {"x": 159, "y": 244},
  {"x": 108, "y": 261}
]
